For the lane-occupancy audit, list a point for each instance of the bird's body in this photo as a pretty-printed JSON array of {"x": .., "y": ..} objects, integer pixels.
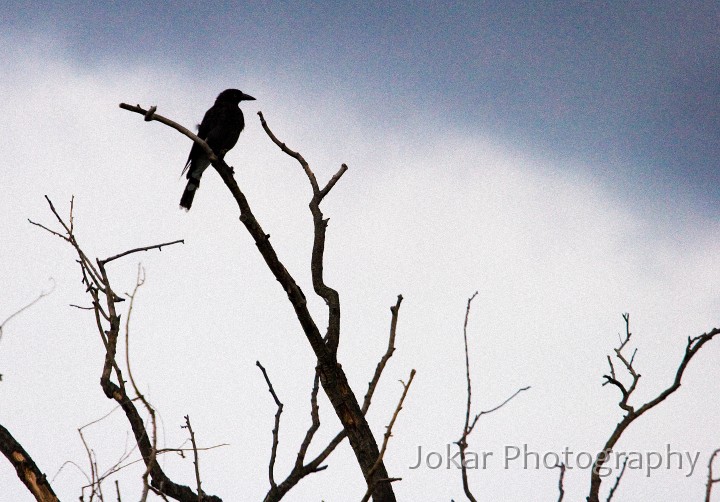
[{"x": 220, "y": 129}]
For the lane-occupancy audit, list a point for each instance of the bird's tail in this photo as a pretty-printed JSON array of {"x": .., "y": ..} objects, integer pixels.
[{"x": 189, "y": 194}]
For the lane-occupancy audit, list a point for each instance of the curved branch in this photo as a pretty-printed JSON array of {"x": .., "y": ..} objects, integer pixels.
[{"x": 330, "y": 295}]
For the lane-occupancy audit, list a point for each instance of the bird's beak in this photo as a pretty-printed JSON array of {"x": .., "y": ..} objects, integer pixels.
[{"x": 247, "y": 97}]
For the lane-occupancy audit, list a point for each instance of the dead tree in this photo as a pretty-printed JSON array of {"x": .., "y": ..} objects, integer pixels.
[
  {"x": 633, "y": 412},
  {"x": 331, "y": 375},
  {"x": 104, "y": 306}
]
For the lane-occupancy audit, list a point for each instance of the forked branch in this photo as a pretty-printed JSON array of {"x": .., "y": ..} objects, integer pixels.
[
  {"x": 633, "y": 412},
  {"x": 462, "y": 443},
  {"x": 107, "y": 319}
]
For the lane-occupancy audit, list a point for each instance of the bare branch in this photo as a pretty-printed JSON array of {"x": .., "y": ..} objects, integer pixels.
[
  {"x": 195, "y": 455},
  {"x": 107, "y": 318},
  {"x": 151, "y": 115},
  {"x": 300, "y": 470},
  {"x": 495, "y": 408},
  {"x": 710, "y": 479},
  {"x": 145, "y": 248},
  {"x": 469, "y": 426},
  {"x": 632, "y": 413},
  {"x": 314, "y": 422},
  {"x": 388, "y": 428},
  {"x": 394, "y": 310},
  {"x": 28, "y": 472},
  {"x": 276, "y": 428},
  {"x": 561, "y": 482},
  {"x": 617, "y": 480},
  {"x": 152, "y": 458},
  {"x": 330, "y": 184},
  {"x": 295, "y": 155},
  {"x": 42, "y": 295}
]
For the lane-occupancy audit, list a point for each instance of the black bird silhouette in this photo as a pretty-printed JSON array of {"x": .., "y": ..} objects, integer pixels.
[{"x": 220, "y": 128}]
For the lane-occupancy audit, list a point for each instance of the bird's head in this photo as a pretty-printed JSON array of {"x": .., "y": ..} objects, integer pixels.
[{"x": 233, "y": 96}]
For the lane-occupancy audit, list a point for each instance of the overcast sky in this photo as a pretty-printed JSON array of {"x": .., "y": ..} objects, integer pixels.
[{"x": 560, "y": 158}]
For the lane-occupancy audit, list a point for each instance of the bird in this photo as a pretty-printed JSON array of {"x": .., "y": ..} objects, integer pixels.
[{"x": 220, "y": 129}]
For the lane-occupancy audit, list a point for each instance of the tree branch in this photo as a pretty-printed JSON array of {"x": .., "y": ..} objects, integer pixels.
[
  {"x": 561, "y": 482},
  {"x": 710, "y": 479},
  {"x": 28, "y": 472},
  {"x": 632, "y": 413},
  {"x": 276, "y": 429},
  {"x": 200, "y": 494},
  {"x": 331, "y": 296},
  {"x": 97, "y": 283},
  {"x": 469, "y": 426},
  {"x": 145, "y": 248},
  {"x": 388, "y": 435}
]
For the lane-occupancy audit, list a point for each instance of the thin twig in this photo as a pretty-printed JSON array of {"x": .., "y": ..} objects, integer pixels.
[
  {"x": 388, "y": 429},
  {"x": 42, "y": 295},
  {"x": 195, "y": 454},
  {"x": 710, "y": 480},
  {"x": 386, "y": 439},
  {"x": 145, "y": 248},
  {"x": 617, "y": 480},
  {"x": 276, "y": 428},
  {"x": 139, "y": 282},
  {"x": 394, "y": 310},
  {"x": 107, "y": 318},
  {"x": 462, "y": 443},
  {"x": 561, "y": 481}
]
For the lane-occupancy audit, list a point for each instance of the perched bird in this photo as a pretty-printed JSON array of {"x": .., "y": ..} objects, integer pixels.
[{"x": 220, "y": 128}]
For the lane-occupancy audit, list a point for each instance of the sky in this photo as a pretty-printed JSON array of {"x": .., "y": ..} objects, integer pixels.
[{"x": 560, "y": 158}]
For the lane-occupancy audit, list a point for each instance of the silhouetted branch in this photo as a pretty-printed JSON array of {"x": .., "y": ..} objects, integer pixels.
[
  {"x": 151, "y": 115},
  {"x": 394, "y": 310},
  {"x": 388, "y": 435},
  {"x": 107, "y": 319},
  {"x": 42, "y": 295},
  {"x": 561, "y": 481},
  {"x": 145, "y": 248},
  {"x": 300, "y": 469},
  {"x": 150, "y": 409},
  {"x": 617, "y": 480},
  {"x": 276, "y": 429},
  {"x": 331, "y": 296},
  {"x": 200, "y": 494},
  {"x": 469, "y": 426},
  {"x": 632, "y": 413}
]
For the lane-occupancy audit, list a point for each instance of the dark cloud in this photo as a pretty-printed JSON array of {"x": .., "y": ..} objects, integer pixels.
[{"x": 629, "y": 87}]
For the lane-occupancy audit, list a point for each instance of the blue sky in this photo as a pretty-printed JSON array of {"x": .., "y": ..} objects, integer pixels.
[
  {"x": 630, "y": 90},
  {"x": 558, "y": 158}
]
